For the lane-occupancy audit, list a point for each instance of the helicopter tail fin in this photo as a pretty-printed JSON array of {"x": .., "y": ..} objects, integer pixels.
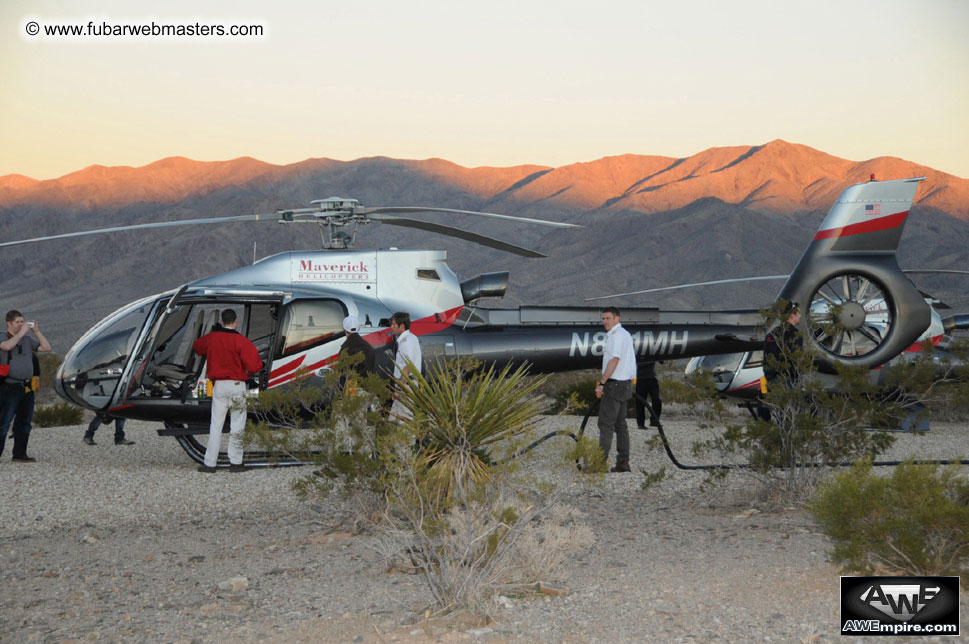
[{"x": 848, "y": 275}]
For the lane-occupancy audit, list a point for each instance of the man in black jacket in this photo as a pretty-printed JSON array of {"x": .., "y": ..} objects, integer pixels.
[
  {"x": 647, "y": 385},
  {"x": 781, "y": 347},
  {"x": 355, "y": 344}
]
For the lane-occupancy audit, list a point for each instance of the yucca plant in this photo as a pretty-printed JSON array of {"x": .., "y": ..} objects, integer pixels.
[{"x": 461, "y": 413}]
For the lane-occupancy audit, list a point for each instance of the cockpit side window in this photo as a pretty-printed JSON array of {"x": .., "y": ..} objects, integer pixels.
[
  {"x": 261, "y": 327},
  {"x": 755, "y": 359},
  {"x": 308, "y": 323}
]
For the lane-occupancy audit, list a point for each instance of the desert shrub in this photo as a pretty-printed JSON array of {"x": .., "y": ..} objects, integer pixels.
[
  {"x": 951, "y": 398},
  {"x": 588, "y": 456},
  {"x": 49, "y": 362},
  {"x": 57, "y": 415},
  {"x": 465, "y": 417},
  {"x": 493, "y": 539},
  {"x": 345, "y": 438},
  {"x": 575, "y": 396},
  {"x": 444, "y": 498},
  {"x": 915, "y": 521},
  {"x": 817, "y": 422}
]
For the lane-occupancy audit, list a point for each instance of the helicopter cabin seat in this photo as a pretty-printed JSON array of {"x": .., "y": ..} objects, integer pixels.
[{"x": 177, "y": 378}]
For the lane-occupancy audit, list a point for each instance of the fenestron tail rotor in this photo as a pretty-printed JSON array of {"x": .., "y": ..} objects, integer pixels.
[
  {"x": 333, "y": 214},
  {"x": 850, "y": 315}
]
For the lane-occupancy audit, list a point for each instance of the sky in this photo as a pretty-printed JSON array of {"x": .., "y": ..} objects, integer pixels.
[{"x": 494, "y": 83}]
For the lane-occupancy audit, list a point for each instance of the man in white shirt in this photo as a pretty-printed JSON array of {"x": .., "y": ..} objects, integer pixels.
[
  {"x": 615, "y": 388},
  {"x": 408, "y": 349}
]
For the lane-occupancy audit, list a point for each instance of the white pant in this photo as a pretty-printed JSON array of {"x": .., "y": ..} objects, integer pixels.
[
  {"x": 399, "y": 413},
  {"x": 227, "y": 396}
]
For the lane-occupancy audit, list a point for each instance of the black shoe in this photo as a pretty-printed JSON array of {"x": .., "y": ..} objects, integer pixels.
[
  {"x": 124, "y": 441},
  {"x": 621, "y": 466},
  {"x": 652, "y": 424},
  {"x": 237, "y": 468},
  {"x": 89, "y": 440},
  {"x": 207, "y": 469},
  {"x": 640, "y": 426},
  {"x": 24, "y": 459}
]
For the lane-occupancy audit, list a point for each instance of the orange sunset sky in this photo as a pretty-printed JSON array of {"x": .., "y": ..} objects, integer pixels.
[{"x": 497, "y": 83}]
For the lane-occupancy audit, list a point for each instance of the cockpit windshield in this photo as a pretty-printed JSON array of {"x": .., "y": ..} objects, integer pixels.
[
  {"x": 726, "y": 363},
  {"x": 92, "y": 369}
]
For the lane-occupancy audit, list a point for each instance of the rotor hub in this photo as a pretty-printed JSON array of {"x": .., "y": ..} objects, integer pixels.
[{"x": 851, "y": 316}]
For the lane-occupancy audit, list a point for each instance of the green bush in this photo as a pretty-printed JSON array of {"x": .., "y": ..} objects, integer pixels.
[
  {"x": 462, "y": 411},
  {"x": 816, "y": 422},
  {"x": 57, "y": 415},
  {"x": 576, "y": 396},
  {"x": 49, "y": 362},
  {"x": 915, "y": 521}
]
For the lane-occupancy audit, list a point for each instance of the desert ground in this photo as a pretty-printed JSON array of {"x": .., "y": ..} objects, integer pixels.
[{"x": 132, "y": 544}]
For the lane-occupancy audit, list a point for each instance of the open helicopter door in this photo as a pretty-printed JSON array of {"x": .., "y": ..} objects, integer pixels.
[{"x": 166, "y": 367}]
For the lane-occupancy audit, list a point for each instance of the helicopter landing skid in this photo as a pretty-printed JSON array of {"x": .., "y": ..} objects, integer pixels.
[{"x": 185, "y": 436}]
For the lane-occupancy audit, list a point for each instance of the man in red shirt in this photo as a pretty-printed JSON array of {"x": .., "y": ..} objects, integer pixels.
[{"x": 230, "y": 358}]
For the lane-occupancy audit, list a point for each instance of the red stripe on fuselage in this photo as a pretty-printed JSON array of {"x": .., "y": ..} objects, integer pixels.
[
  {"x": 423, "y": 326},
  {"x": 286, "y": 368},
  {"x": 920, "y": 346},
  {"x": 875, "y": 225},
  {"x": 749, "y": 385}
]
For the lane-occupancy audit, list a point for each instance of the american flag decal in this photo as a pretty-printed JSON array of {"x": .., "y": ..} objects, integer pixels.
[{"x": 873, "y": 209}]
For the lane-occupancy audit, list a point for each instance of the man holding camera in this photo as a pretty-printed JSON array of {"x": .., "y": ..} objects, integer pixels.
[{"x": 17, "y": 349}]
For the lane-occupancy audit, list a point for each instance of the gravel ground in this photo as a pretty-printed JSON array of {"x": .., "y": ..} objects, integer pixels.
[{"x": 132, "y": 544}]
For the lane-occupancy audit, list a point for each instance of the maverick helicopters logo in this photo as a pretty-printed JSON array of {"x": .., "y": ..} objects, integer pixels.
[
  {"x": 307, "y": 270},
  {"x": 900, "y": 605}
]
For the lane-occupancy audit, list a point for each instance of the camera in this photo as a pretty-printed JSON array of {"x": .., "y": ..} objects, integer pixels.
[{"x": 30, "y": 325}]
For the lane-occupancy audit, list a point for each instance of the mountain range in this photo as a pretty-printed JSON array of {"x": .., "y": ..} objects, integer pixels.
[{"x": 649, "y": 221}]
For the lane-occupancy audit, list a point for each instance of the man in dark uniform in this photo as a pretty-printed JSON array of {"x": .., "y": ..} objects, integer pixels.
[
  {"x": 355, "y": 344},
  {"x": 781, "y": 347},
  {"x": 647, "y": 384}
]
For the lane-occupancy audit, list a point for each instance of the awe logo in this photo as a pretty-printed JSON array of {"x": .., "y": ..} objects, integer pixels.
[
  {"x": 891, "y": 606},
  {"x": 901, "y": 601}
]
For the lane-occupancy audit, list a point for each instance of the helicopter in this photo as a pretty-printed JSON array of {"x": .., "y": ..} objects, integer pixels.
[
  {"x": 138, "y": 362},
  {"x": 737, "y": 376}
]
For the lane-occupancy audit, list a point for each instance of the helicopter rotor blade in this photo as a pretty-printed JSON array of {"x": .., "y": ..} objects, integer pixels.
[
  {"x": 679, "y": 286},
  {"x": 932, "y": 271},
  {"x": 415, "y": 209},
  {"x": 754, "y": 279},
  {"x": 160, "y": 224},
  {"x": 450, "y": 231}
]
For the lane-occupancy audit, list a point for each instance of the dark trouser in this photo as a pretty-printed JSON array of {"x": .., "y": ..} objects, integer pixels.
[
  {"x": 18, "y": 406},
  {"x": 118, "y": 428},
  {"x": 650, "y": 387},
  {"x": 612, "y": 418}
]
